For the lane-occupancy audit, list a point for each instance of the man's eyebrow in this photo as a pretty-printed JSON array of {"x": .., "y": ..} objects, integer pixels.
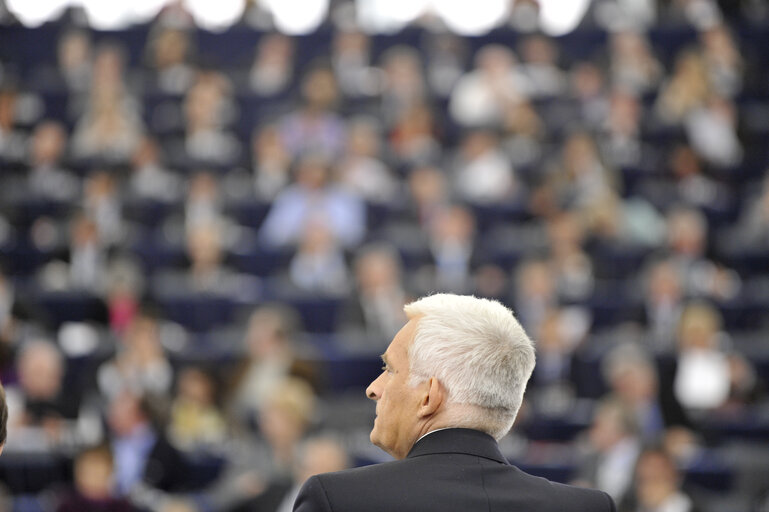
[{"x": 383, "y": 357}]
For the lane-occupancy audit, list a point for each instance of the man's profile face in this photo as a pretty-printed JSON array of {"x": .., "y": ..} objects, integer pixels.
[{"x": 396, "y": 425}]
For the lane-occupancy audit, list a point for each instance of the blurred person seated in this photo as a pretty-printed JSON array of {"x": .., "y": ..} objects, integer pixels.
[
  {"x": 588, "y": 87},
  {"x": 413, "y": 138},
  {"x": 687, "y": 234},
  {"x": 74, "y": 61},
  {"x": 712, "y": 130},
  {"x": 110, "y": 127},
  {"x": 169, "y": 51},
  {"x": 207, "y": 273},
  {"x": 686, "y": 89},
  {"x": 429, "y": 194},
  {"x": 125, "y": 287},
  {"x": 534, "y": 293},
  {"x": 632, "y": 63},
  {"x": 315, "y": 127},
  {"x": 612, "y": 221},
  {"x": 480, "y": 96},
  {"x": 540, "y": 67},
  {"x": 691, "y": 184},
  {"x": 706, "y": 376},
  {"x": 609, "y": 450},
  {"x": 102, "y": 203},
  {"x": 195, "y": 419},
  {"x": 209, "y": 109},
  {"x": 82, "y": 266},
  {"x": 723, "y": 59},
  {"x": 376, "y": 308},
  {"x": 404, "y": 85},
  {"x": 578, "y": 176},
  {"x": 483, "y": 174},
  {"x": 657, "y": 485},
  {"x": 558, "y": 336},
  {"x": 272, "y": 70},
  {"x": 42, "y": 412},
  {"x": 361, "y": 170},
  {"x": 523, "y": 134},
  {"x": 318, "y": 266},
  {"x": 632, "y": 377},
  {"x": 150, "y": 180},
  {"x": 270, "y": 355},
  {"x": 451, "y": 239},
  {"x": 753, "y": 227},
  {"x": 351, "y": 61},
  {"x": 255, "y": 460},
  {"x": 284, "y": 421},
  {"x": 572, "y": 268},
  {"x": 314, "y": 196},
  {"x": 94, "y": 484},
  {"x": 13, "y": 140},
  {"x": 46, "y": 179},
  {"x": 622, "y": 146},
  {"x": 315, "y": 455},
  {"x": 203, "y": 205},
  {"x": 446, "y": 54},
  {"x": 696, "y": 13},
  {"x": 270, "y": 162},
  {"x": 140, "y": 364},
  {"x": 663, "y": 304},
  {"x": 144, "y": 459}
]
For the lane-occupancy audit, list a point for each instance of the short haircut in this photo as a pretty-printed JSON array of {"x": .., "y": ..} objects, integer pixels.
[{"x": 477, "y": 349}]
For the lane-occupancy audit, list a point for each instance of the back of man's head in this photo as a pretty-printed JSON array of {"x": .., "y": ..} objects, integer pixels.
[{"x": 478, "y": 351}]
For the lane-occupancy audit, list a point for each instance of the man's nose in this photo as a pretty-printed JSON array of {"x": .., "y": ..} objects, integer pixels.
[{"x": 372, "y": 391}]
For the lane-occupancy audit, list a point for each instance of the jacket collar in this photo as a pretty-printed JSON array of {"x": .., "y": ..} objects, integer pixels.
[{"x": 458, "y": 440}]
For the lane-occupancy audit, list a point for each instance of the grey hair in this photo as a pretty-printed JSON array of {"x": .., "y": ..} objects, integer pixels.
[{"x": 477, "y": 349}]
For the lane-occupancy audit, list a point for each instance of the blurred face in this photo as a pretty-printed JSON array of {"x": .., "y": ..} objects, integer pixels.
[
  {"x": 93, "y": 475},
  {"x": 655, "y": 479},
  {"x": 395, "y": 427}
]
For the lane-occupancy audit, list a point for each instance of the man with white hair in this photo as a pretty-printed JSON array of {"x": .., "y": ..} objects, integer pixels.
[{"x": 452, "y": 383}]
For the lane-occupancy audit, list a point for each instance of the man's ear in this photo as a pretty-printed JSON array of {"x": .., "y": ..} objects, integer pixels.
[{"x": 433, "y": 398}]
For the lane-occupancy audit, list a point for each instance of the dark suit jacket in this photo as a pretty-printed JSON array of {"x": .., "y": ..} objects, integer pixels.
[{"x": 448, "y": 470}]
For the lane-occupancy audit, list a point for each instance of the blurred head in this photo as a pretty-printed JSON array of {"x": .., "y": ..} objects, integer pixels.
[
  {"x": 196, "y": 386},
  {"x": 204, "y": 245},
  {"x": 48, "y": 142},
  {"x": 93, "y": 473},
  {"x": 126, "y": 413},
  {"x": 319, "y": 88},
  {"x": 320, "y": 455},
  {"x": 288, "y": 413},
  {"x": 459, "y": 361},
  {"x": 377, "y": 268},
  {"x": 630, "y": 372},
  {"x": 169, "y": 48},
  {"x": 535, "y": 280},
  {"x": 687, "y": 231},
  {"x": 271, "y": 330},
  {"x": 699, "y": 327},
  {"x": 495, "y": 59},
  {"x": 74, "y": 49},
  {"x": 613, "y": 422},
  {"x": 454, "y": 224},
  {"x": 656, "y": 478},
  {"x": 312, "y": 172},
  {"x": 664, "y": 283},
  {"x": 428, "y": 186},
  {"x": 41, "y": 369}
]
